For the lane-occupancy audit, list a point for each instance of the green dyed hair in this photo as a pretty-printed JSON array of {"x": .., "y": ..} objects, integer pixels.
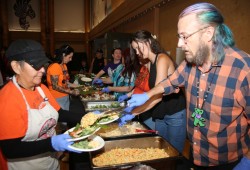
[{"x": 208, "y": 14}]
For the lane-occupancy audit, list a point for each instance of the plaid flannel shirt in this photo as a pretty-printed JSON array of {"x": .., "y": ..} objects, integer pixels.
[{"x": 226, "y": 135}]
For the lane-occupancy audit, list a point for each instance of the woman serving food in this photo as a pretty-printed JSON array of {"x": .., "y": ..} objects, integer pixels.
[{"x": 29, "y": 113}]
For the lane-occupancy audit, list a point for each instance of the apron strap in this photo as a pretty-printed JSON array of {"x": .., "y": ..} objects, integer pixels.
[
  {"x": 18, "y": 87},
  {"x": 39, "y": 89}
]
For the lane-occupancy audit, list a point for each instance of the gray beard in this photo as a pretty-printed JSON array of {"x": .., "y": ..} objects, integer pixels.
[{"x": 200, "y": 56}]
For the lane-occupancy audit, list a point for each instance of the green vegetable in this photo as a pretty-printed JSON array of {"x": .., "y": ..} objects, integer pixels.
[
  {"x": 105, "y": 119},
  {"x": 84, "y": 144},
  {"x": 88, "y": 130},
  {"x": 115, "y": 105}
]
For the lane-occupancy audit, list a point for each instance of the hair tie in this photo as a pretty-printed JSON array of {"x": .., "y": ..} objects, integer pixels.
[{"x": 154, "y": 36}]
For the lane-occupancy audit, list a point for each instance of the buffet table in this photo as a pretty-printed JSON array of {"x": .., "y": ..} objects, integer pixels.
[{"x": 116, "y": 137}]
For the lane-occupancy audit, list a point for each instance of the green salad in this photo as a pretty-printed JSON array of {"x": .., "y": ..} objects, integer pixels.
[
  {"x": 86, "y": 131},
  {"x": 105, "y": 119},
  {"x": 84, "y": 144},
  {"x": 103, "y": 106}
]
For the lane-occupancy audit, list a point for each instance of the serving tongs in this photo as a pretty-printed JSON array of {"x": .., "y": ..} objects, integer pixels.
[
  {"x": 146, "y": 131},
  {"x": 112, "y": 112}
]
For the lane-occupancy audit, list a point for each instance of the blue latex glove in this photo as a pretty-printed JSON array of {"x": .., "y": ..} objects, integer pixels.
[
  {"x": 125, "y": 118},
  {"x": 128, "y": 109},
  {"x": 136, "y": 100},
  {"x": 97, "y": 81},
  {"x": 60, "y": 143},
  {"x": 105, "y": 90},
  {"x": 122, "y": 98},
  {"x": 96, "y": 112},
  {"x": 243, "y": 165}
]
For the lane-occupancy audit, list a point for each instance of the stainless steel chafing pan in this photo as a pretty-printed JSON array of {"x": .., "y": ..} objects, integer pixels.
[
  {"x": 142, "y": 142},
  {"x": 129, "y": 130},
  {"x": 103, "y": 105}
]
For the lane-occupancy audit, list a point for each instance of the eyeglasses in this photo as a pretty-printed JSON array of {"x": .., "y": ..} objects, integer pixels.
[{"x": 184, "y": 38}]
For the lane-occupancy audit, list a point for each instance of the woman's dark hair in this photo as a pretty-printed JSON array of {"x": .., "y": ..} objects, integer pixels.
[
  {"x": 64, "y": 50},
  {"x": 132, "y": 64},
  {"x": 146, "y": 37}
]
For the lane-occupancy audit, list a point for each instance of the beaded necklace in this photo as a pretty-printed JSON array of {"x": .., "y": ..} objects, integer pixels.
[{"x": 197, "y": 114}]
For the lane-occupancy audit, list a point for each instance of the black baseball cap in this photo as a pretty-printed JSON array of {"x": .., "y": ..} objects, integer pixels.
[{"x": 29, "y": 51}]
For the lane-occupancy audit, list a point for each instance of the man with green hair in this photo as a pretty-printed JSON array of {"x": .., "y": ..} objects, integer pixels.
[{"x": 216, "y": 78}]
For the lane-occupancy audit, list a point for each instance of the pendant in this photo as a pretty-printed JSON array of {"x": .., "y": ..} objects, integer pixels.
[{"x": 198, "y": 120}]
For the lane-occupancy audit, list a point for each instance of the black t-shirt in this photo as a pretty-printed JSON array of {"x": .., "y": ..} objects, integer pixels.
[{"x": 98, "y": 65}]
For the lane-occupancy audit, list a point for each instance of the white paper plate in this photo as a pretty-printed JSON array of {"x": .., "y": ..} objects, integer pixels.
[
  {"x": 82, "y": 137},
  {"x": 86, "y": 79},
  {"x": 104, "y": 123},
  {"x": 95, "y": 138}
]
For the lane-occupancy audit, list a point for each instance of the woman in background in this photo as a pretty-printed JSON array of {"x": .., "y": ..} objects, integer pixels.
[
  {"x": 123, "y": 78},
  {"x": 58, "y": 77}
]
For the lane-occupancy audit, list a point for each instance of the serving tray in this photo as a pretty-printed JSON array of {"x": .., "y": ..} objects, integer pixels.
[
  {"x": 103, "y": 105},
  {"x": 142, "y": 142}
]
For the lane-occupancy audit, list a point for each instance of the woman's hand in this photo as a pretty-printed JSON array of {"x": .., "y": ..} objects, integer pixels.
[{"x": 106, "y": 90}]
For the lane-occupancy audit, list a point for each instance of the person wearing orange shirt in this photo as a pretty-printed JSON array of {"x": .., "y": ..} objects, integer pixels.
[
  {"x": 29, "y": 113},
  {"x": 58, "y": 77},
  {"x": 141, "y": 86}
]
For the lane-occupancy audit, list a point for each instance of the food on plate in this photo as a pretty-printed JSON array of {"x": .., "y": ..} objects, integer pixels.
[
  {"x": 113, "y": 130},
  {"x": 78, "y": 131},
  {"x": 128, "y": 155},
  {"x": 89, "y": 119},
  {"x": 90, "y": 123},
  {"x": 108, "y": 117},
  {"x": 86, "y": 126},
  {"x": 104, "y": 106},
  {"x": 86, "y": 144},
  {"x": 96, "y": 95}
]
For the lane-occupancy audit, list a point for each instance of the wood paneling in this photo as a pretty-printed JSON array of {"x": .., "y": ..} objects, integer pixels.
[{"x": 122, "y": 13}]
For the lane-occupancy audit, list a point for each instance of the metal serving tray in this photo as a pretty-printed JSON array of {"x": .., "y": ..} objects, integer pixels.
[
  {"x": 114, "y": 132},
  {"x": 92, "y": 105},
  {"x": 143, "y": 142},
  {"x": 97, "y": 96}
]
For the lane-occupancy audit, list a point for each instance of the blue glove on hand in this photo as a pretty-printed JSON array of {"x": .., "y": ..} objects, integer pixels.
[
  {"x": 137, "y": 99},
  {"x": 97, "y": 81},
  {"x": 60, "y": 143},
  {"x": 128, "y": 109},
  {"x": 96, "y": 112},
  {"x": 122, "y": 98},
  {"x": 243, "y": 165},
  {"x": 126, "y": 117},
  {"x": 105, "y": 90}
]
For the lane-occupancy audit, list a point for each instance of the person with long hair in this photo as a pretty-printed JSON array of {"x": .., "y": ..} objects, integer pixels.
[
  {"x": 168, "y": 112},
  {"x": 123, "y": 77},
  {"x": 58, "y": 77},
  {"x": 216, "y": 78}
]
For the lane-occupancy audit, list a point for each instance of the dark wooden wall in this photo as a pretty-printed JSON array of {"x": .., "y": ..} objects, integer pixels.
[{"x": 158, "y": 16}]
